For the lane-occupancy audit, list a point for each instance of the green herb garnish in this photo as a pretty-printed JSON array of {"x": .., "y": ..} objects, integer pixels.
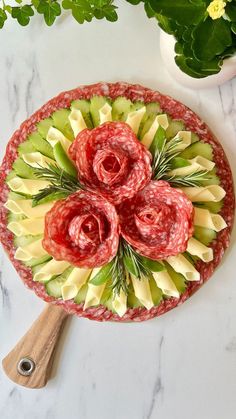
[
  {"x": 163, "y": 156},
  {"x": 192, "y": 179}
]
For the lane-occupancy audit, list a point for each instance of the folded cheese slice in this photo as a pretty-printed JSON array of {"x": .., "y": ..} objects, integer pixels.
[
  {"x": 212, "y": 193},
  {"x": 37, "y": 160},
  {"x": 160, "y": 120},
  {"x": 181, "y": 265},
  {"x": 27, "y": 186},
  {"x": 204, "y": 218},
  {"x": 54, "y": 136},
  {"x": 196, "y": 248},
  {"x": 32, "y": 226},
  {"x": 195, "y": 165},
  {"x": 119, "y": 303},
  {"x": 105, "y": 113},
  {"x": 185, "y": 137},
  {"x": 77, "y": 278},
  {"x": 77, "y": 121},
  {"x": 142, "y": 291},
  {"x": 94, "y": 292},
  {"x": 166, "y": 284},
  {"x": 50, "y": 269},
  {"x": 32, "y": 250},
  {"x": 24, "y": 207},
  {"x": 134, "y": 119}
]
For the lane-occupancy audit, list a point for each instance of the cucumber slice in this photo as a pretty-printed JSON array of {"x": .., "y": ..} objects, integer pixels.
[
  {"x": 174, "y": 127},
  {"x": 132, "y": 300},
  {"x": 198, "y": 149},
  {"x": 80, "y": 297},
  {"x": 11, "y": 175},
  {"x": 61, "y": 122},
  {"x": 26, "y": 147},
  {"x": 146, "y": 124},
  {"x": 204, "y": 235},
  {"x": 41, "y": 145},
  {"x": 53, "y": 287},
  {"x": 25, "y": 240},
  {"x": 96, "y": 103},
  {"x": 153, "y": 108},
  {"x": 23, "y": 170},
  {"x": 35, "y": 262},
  {"x": 84, "y": 107},
  {"x": 194, "y": 138},
  {"x": 214, "y": 207},
  {"x": 178, "y": 162},
  {"x": 136, "y": 106},
  {"x": 155, "y": 291},
  {"x": 15, "y": 217},
  {"x": 177, "y": 278},
  {"x": 212, "y": 178},
  {"x": 43, "y": 127},
  {"x": 120, "y": 108},
  {"x": 63, "y": 160}
]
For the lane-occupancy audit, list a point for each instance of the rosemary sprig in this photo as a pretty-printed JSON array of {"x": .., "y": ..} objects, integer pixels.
[
  {"x": 192, "y": 179},
  {"x": 163, "y": 156},
  {"x": 119, "y": 273},
  {"x": 60, "y": 182}
]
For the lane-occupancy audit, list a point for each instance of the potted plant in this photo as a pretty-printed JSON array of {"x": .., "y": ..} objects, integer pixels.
[{"x": 201, "y": 49}]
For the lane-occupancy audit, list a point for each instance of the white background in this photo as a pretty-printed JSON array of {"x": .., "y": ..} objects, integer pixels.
[{"x": 179, "y": 366}]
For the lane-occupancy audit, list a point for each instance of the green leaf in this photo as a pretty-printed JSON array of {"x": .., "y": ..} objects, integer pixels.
[
  {"x": 230, "y": 11},
  {"x": 50, "y": 10},
  {"x": 3, "y": 18},
  {"x": 81, "y": 9},
  {"x": 153, "y": 265},
  {"x": 109, "y": 13},
  {"x": 103, "y": 275},
  {"x": 22, "y": 14},
  {"x": 233, "y": 27},
  {"x": 181, "y": 62},
  {"x": 211, "y": 38},
  {"x": 130, "y": 265},
  {"x": 182, "y": 11},
  {"x": 149, "y": 10},
  {"x": 134, "y": 2},
  {"x": 158, "y": 140}
]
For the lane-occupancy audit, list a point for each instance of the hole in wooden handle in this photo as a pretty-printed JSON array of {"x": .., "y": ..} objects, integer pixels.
[{"x": 25, "y": 366}]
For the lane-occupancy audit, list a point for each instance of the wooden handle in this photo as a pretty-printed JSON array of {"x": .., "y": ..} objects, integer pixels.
[{"x": 29, "y": 363}]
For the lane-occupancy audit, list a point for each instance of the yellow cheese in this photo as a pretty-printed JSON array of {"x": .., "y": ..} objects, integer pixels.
[
  {"x": 54, "y": 136},
  {"x": 165, "y": 283},
  {"x": 203, "y": 218},
  {"x": 77, "y": 278},
  {"x": 119, "y": 303},
  {"x": 105, "y": 113},
  {"x": 134, "y": 119},
  {"x": 185, "y": 137},
  {"x": 32, "y": 250},
  {"x": 27, "y": 186},
  {"x": 77, "y": 121},
  {"x": 94, "y": 293},
  {"x": 196, "y": 248},
  {"x": 160, "y": 120},
  {"x": 50, "y": 269},
  {"x": 142, "y": 291},
  {"x": 24, "y": 207},
  {"x": 212, "y": 193},
  {"x": 37, "y": 160},
  {"x": 195, "y": 165},
  {"x": 181, "y": 265},
  {"x": 31, "y": 226}
]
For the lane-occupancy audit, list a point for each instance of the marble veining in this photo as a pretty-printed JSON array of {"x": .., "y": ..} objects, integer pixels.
[{"x": 179, "y": 366}]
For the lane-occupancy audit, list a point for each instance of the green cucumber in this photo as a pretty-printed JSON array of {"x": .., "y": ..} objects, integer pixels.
[
  {"x": 61, "y": 122},
  {"x": 84, "y": 107},
  {"x": 14, "y": 217},
  {"x": 43, "y": 127},
  {"x": 177, "y": 278},
  {"x": 155, "y": 291},
  {"x": 63, "y": 160},
  {"x": 11, "y": 175},
  {"x": 132, "y": 300},
  {"x": 41, "y": 145},
  {"x": 25, "y": 240},
  {"x": 197, "y": 149},
  {"x": 152, "y": 110},
  {"x": 214, "y": 207},
  {"x": 53, "y": 287},
  {"x": 26, "y": 147},
  {"x": 37, "y": 261},
  {"x": 204, "y": 235},
  {"x": 96, "y": 103},
  {"x": 194, "y": 138},
  {"x": 212, "y": 178},
  {"x": 178, "y": 162},
  {"x": 23, "y": 170},
  {"x": 81, "y": 296},
  {"x": 120, "y": 108},
  {"x": 174, "y": 127}
]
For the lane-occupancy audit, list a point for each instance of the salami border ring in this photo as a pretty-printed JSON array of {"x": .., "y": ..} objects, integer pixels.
[{"x": 177, "y": 111}]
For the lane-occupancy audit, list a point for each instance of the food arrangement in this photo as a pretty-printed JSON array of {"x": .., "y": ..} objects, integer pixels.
[{"x": 117, "y": 202}]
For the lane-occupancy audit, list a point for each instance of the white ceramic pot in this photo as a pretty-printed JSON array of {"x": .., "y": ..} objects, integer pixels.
[{"x": 228, "y": 71}]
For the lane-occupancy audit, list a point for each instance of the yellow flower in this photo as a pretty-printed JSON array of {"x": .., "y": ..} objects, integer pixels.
[{"x": 216, "y": 9}]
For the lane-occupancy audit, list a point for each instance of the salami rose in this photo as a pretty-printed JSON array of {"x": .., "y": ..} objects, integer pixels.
[
  {"x": 157, "y": 222},
  {"x": 82, "y": 229},
  {"x": 111, "y": 161}
]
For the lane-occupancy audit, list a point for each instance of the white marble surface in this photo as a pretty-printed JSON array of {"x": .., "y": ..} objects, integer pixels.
[{"x": 179, "y": 366}]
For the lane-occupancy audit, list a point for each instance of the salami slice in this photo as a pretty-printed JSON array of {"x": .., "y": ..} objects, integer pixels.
[
  {"x": 177, "y": 111},
  {"x": 111, "y": 161},
  {"x": 158, "y": 221}
]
